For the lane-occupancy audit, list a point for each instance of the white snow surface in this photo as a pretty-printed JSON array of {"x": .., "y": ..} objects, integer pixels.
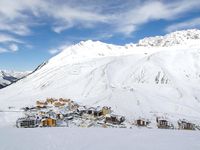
[
  {"x": 97, "y": 139},
  {"x": 135, "y": 80}
]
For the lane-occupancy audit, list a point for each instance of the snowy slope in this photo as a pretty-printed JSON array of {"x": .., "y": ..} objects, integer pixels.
[
  {"x": 134, "y": 80},
  {"x": 97, "y": 139},
  {"x": 8, "y": 77}
]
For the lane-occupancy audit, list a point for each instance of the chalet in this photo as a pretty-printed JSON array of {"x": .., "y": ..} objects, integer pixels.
[
  {"x": 185, "y": 125},
  {"x": 58, "y": 104},
  {"x": 40, "y": 104},
  {"x": 141, "y": 122},
  {"x": 28, "y": 122},
  {"x": 50, "y": 100},
  {"x": 73, "y": 106},
  {"x": 95, "y": 112},
  {"x": 106, "y": 110},
  {"x": 164, "y": 124},
  {"x": 114, "y": 119},
  {"x": 64, "y": 100},
  {"x": 48, "y": 122}
]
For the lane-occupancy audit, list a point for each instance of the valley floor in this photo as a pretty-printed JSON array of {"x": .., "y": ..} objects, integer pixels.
[{"x": 97, "y": 139}]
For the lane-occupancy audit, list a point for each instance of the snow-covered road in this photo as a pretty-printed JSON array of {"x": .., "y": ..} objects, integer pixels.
[{"x": 97, "y": 139}]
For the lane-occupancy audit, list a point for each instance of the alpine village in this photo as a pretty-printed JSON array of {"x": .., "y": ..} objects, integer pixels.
[{"x": 67, "y": 113}]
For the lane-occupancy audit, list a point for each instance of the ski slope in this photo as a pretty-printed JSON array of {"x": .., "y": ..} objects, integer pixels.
[{"x": 136, "y": 80}]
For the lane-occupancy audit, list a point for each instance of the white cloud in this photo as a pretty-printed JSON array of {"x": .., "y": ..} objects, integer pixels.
[
  {"x": 120, "y": 16},
  {"x": 63, "y": 13},
  {"x": 5, "y": 38},
  {"x": 13, "y": 47},
  {"x": 2, "y": 50},
  {"x": 18, "y": 29},
  {"x": 153, "y": 10},
  {"x": 193, "y": 23},
  {"x": 10, "y": 42}
]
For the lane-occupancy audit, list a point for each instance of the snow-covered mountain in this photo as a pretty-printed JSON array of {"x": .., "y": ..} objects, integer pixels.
[
  {"x": 9, "y": 77},
  {"x": 184, "y": 37},
  {"x": 136, "y": 80}
]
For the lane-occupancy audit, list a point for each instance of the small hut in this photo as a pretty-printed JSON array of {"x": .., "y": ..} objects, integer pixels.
[
  {"x": 114, "y": 119},
  {"x": 185, "y": 125},
  {"x": 142, "y": 122}
]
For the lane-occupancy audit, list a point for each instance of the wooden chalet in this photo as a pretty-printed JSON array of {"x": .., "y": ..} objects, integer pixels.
[{"x": 142, "y": 122}]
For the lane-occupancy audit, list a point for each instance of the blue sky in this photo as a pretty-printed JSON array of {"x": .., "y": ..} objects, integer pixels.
[{"x": 32, "y": 31}]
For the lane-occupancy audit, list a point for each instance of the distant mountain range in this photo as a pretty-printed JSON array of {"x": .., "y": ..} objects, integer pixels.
[{"x": 9, "y": 77}]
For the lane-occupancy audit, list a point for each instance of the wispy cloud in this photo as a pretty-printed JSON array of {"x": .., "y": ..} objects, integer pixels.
[
  {"x": 2, "y": 50},
  {"x": 152, "y": 10},
  {"x": 7, "y": 38},
  {"x": 193, "y": 23},
  {"x": 120, "y": 16}
]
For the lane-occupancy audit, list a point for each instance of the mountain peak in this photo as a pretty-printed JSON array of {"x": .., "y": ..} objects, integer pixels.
[{"x": 182, "y": 37}]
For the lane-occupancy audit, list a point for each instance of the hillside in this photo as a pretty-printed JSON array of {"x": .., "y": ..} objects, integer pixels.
[{"x": 135, "y": 80}]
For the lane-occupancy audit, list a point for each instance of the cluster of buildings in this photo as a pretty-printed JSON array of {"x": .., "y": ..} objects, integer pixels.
[
  {"x": 66, "y": 113},
  {"x": 166, "y": 124}
]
